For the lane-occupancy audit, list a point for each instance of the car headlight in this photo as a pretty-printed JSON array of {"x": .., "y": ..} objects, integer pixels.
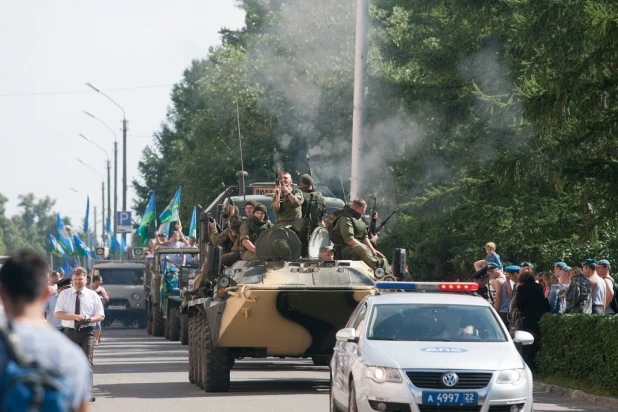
[
  {"x": 380, "y": 375},
  {"x": 135, "y": 296},
  {"x": 229, "y": 272},
  {"x": 512, "y": 376}
]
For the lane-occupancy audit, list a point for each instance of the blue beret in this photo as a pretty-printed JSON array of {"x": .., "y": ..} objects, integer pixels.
[
  {"x": 604, "y": 262},
  {"x": 528, "y": 264},
  {"x": 493, "y": 265},
  {"x": 173, "y": 269},
  {"x": 512, "y": 269},
  {"x": 589, "y": 262},
  {"x": 560, "y": 265},
  {"x": 567, "y": 268}
]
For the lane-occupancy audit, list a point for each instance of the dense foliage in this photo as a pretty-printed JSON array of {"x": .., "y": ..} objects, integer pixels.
[
  {"x": 581, "y": 348},
  {"x": 487, "y": 121},
  {"x": 29, "y": 228}
]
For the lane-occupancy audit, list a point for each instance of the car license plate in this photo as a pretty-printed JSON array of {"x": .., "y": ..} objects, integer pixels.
[
  {"x": 116, "y": 307},
  {"x": 450, "y": 398}
]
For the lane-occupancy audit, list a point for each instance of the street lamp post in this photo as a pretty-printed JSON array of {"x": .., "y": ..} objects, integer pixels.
[
  {"x": 358, "y": 115},
  {"x": 109, "y": 186},
  {"x": 102, "y": 192},
  {"x": 115, "y": 167},
  {"x": 124, "y": 149}
]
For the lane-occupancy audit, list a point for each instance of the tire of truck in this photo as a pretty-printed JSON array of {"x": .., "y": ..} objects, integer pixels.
[
  {"x": 199, "y": 358},
  {"x": 184, "y": 329},
  {"x": 158, "y": 325},
  {"x": 216, "y": 362},
  {"x": 149, "y": 318},
  {"x": 192, "y": 322},
  {"x": 174, "y": 325},
  {"x": 166, "y": 327},
  {"x": 321, "y": 360}
]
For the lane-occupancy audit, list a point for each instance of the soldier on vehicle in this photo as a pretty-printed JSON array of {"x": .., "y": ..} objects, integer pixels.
[
  {"x": 327, "y": 253},
  {"x": 350, "y": 236},
  {"x": 318, "y": 208},
  {"x": 228, "y": 239},
  {"x": 251, "y": 229},
  {"x": 287, "y": 202}
]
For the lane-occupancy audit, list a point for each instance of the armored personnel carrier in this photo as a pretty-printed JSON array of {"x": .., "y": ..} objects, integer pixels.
[{"x": 281, "y": 305}]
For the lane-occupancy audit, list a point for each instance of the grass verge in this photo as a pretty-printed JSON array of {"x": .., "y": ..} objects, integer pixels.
[{"x": 594, "y": 389}]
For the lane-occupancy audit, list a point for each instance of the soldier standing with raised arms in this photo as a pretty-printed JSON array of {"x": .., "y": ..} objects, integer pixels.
[{"x": 287, "y": 201}]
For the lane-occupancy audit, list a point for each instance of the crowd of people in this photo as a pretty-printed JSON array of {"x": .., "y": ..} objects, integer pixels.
[{"x": 521, "y": 296}]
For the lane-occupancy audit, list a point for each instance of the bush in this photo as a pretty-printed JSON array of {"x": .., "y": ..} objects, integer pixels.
[{"x": 580, "y": 347}]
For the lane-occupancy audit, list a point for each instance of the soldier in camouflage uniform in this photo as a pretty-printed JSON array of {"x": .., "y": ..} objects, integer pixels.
[
  {"x": 317, "y": 206},
  {"x": 251, "y": 229},
  {"x": 228, "y": 239},
  {"x": 349, "y": 236},
  {"x": 287, "y": 202}
]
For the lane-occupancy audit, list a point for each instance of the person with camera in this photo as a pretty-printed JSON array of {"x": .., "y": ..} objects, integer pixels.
[{"x": 80, "y": 308}]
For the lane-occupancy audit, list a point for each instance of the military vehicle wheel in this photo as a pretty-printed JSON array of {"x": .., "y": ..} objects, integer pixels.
[
  {"x": 149, "y": 318},
  {"x": 216, "y": 363},
  {"x": 199, "y": 355},
  {"x": 174, "y": 325},
  {"x": 166, "y": 328},
  {"x": 192, "y": 342},
  {"x": 184, "y": 329},
  {"x": 158, "y": 326},
  {"x": 321, "y": 360}
]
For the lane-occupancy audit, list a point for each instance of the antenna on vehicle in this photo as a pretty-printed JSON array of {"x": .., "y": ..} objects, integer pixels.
[
  {"x": 343, "y": 189},
  {"x": 241, "y": 175}
]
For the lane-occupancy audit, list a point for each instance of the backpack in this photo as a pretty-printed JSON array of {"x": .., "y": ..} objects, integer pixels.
[{"x": 26, "y": 386}]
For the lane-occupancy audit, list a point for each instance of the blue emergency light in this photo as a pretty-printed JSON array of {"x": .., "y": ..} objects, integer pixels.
[{"x": 429, "y": 286}]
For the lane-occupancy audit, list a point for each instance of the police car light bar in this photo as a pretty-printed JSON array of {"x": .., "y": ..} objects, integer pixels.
[{"x": 429, "y": 286}]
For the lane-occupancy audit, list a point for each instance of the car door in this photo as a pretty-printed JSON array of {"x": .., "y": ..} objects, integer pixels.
[{"x": 340, "y": 357}]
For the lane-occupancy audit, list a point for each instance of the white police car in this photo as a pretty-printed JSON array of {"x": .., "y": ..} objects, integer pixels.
[{"x": 428, "y": 352}]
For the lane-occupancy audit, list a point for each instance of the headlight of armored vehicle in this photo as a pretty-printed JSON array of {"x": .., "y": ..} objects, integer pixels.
[
  {"x": 229, "y": 272},
  {"x": 379, "y": 273},
  {"x": 224, "y": 281},
  {"x": 135, "y": 296}
]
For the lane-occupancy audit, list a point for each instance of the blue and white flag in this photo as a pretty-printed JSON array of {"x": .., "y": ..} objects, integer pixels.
[{"x": 63, "y": 236}]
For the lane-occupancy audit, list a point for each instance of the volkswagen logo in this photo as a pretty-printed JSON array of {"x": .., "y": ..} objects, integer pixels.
[{"x": 450, "y": 379}]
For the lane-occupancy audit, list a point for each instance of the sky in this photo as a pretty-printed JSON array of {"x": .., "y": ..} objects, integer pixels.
[{"x": 132, "y": 50}]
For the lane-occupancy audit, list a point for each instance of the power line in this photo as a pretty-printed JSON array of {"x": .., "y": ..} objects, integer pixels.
[{"x": 83, "y": 91}]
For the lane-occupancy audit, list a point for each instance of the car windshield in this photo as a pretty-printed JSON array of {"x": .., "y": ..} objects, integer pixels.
[
  {"x": 442, "y": 323},
  {"x": 122, "y": 276}
]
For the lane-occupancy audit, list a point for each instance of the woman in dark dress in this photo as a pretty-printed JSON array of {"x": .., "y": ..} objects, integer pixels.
[{"x": 532, "y": 305}]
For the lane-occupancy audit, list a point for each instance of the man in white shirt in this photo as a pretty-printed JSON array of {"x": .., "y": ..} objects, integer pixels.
[{"x": 76, "y": 304}]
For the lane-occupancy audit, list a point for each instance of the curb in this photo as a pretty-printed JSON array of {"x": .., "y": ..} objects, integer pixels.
[{"x": 604, "y": 401}]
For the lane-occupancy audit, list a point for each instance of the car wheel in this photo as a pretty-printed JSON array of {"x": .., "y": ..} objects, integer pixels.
[{"x": 352, "y": 401}]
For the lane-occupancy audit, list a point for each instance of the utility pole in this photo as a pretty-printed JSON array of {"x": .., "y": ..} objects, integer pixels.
[
  {"x": 358, "y": 115},
  {"x": 124, "y": 168},
  {"x": 103, "y": 207},
  {"x": 95, "y": 227},
  {"x": 109, "y": 191},
  {"x": 115, "y": 184}
]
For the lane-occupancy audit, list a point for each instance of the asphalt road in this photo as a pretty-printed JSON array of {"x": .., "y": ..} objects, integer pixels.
[{"x": 137, "y": 372}]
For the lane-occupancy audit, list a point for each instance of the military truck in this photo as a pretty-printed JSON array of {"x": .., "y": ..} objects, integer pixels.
[
  {"x": 281, "y": 305},
  {"x": 165, "y": 301},
  {"x": 124, "y": 283}
]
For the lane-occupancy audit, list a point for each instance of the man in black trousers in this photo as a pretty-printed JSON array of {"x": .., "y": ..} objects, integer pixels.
[{"x": 76, "y": 304}]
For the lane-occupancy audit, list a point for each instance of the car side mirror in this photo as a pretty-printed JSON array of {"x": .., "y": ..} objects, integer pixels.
[
  {"x": 347, "y": 334},
  {"x": 523, "y": 338}
]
